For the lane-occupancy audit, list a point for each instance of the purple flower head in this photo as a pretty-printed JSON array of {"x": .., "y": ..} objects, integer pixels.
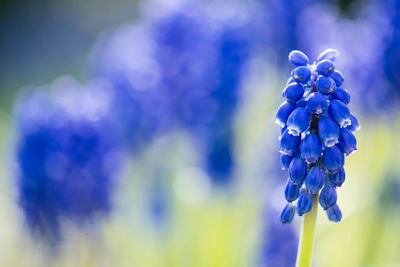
[{"x": 316, "y": 136}]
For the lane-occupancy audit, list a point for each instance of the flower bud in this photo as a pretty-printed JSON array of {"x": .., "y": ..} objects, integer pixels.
[
  {"x": 317, "y": 103},
  {"x": 325, "y": 67},
  {"x": 304, "y": 204},
  {"x": 297, "y": 170},
  {"x": 298, "y": 58},
  {"x": 328, "y": 197},
  {"x": 338, "y": 77},
  {"x": 354, "y": 126},
  {"x": 333, "y": 159},
  {"x": 315, "y": 179},
  {"x": 288, "y": 213},
  {"x": 342, "y": 95},
  {"x": 293, "y": 92},
  {"x": 311, "y": 148},
  {"x": 337, "y": 179},
  {"x": 329, "y": 53},
  {"x": 334, "y": 213},
  {"x": 347, "y": 141},
  {"x": 285, "y": 161},
  {"x": 289, "y": 143},
  {"x": 283, "y": 113},
  {"x": 298, "y": 121},
  {"x": 328, "y": 131},
  {"x": 325, "y": 85},
  {"x": 301, "y": 74},
  {"x": 292, "y": 191},
  {"x": 340, "y": 113}
]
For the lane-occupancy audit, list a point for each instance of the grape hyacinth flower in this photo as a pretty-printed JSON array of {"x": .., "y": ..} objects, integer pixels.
[
  {"x": 315, "y": 138},
  {"x": 66, "y": 155}
]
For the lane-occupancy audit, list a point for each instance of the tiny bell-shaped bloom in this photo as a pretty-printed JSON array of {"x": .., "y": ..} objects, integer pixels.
[
  {"x": 354, "y": 126},
  {"x": 297, "y": 170},
  {"x": 328, "y": 197},
  {"x": 334, "y": 213},
  {"x": 301, "y": 74},
  {"x": 338, "y": 77},
  {"x": 283, "y": 113},
  {"x": 328, "y": 131},
  {"x": 292, "y": 191},
  {"x": 325, "y": 85},
  {"x": 347, "y": 141},
  {"x": 337, "y": 178},
  {"x": 289, "y": 143},
  {"x": 288, "y": 213},
  {"x": 304, "y": 204},
  {"x": 298, "y": 58},
  {"x": 311, "y": 148},
  {"x": 342, "y": 95},
  {"x": 298, "y": 121},
  {"x": 325, "y": 67},
  {"x": 339, "y": 112},
  {"x": 293, "y": 92},
  {"x": 285, "y": 161},
  {"x": 329, "y": 53},
  {"x": 333, "y": 159},
  {"x": 317, "y": 103},
  {"x": 315, "y": 179}
]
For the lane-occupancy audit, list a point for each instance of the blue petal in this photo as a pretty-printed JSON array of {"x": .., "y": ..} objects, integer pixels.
[
  {"x": 329, "y": 53},
  {"x": 325, "y": 85},
  {"x": 347, "y": 141},
  {"x": 333, "y": 159},
  {"x": 297, "y": 170},
  {"x": 315, "y": 179},
  {"x": 328, "y": 197},
  {"x": 334, "y": 213},
  {"x": 288, "y": 213},
  {"x": 354, "y": 126},
  {"x": 338, "y": 77},
  {"x": 340, "y": 113},
  {"x": 298, "y": 58},
  {"x": 337, "y": 179},
  {"x": 311, "y": 148},
  {"x": 304, "y": 204},
  {"x": 342, "y": 95},
  {"x": 285, "y": 161},
  {"x": 283, "y": 113},
  {"x": 292, "y": 191},
  {"x": 325, "y": 67},
  {"x": 317, "y": 103},
  {"x": 298, "y": 121},
  {"x": 293, "y": 92},
  {"x": 289, "y": 143},
  {"x": 301, "y": 74},
  {"x": 328, "y": 131}
]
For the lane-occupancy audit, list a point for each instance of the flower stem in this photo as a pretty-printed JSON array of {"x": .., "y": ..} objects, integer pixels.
[{"x": 306, "y": 243}]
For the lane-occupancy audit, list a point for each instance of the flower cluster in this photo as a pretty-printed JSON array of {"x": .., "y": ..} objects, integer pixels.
[
  {"x": 317, "y": 131},
  {"x": 67, "y": 157}
]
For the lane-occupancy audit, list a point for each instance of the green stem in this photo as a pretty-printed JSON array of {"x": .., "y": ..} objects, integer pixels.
[{"x": 306, "y": 243}]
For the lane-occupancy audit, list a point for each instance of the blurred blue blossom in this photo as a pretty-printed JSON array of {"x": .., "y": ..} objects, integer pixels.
[
  {"x": 66, "y": 154},
  {"x": 180, "y": 68}
]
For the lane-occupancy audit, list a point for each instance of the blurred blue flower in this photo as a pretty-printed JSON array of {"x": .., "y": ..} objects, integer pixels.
[
  {"x": 180, "y": 68},
  {"x": 66, "y": 154}
]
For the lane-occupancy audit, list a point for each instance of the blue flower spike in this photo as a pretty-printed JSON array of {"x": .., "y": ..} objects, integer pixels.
[{"x": 317, "y": 133}]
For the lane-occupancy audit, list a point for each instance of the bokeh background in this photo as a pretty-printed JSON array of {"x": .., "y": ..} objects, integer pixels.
[{"x": 141, "y": 133}]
